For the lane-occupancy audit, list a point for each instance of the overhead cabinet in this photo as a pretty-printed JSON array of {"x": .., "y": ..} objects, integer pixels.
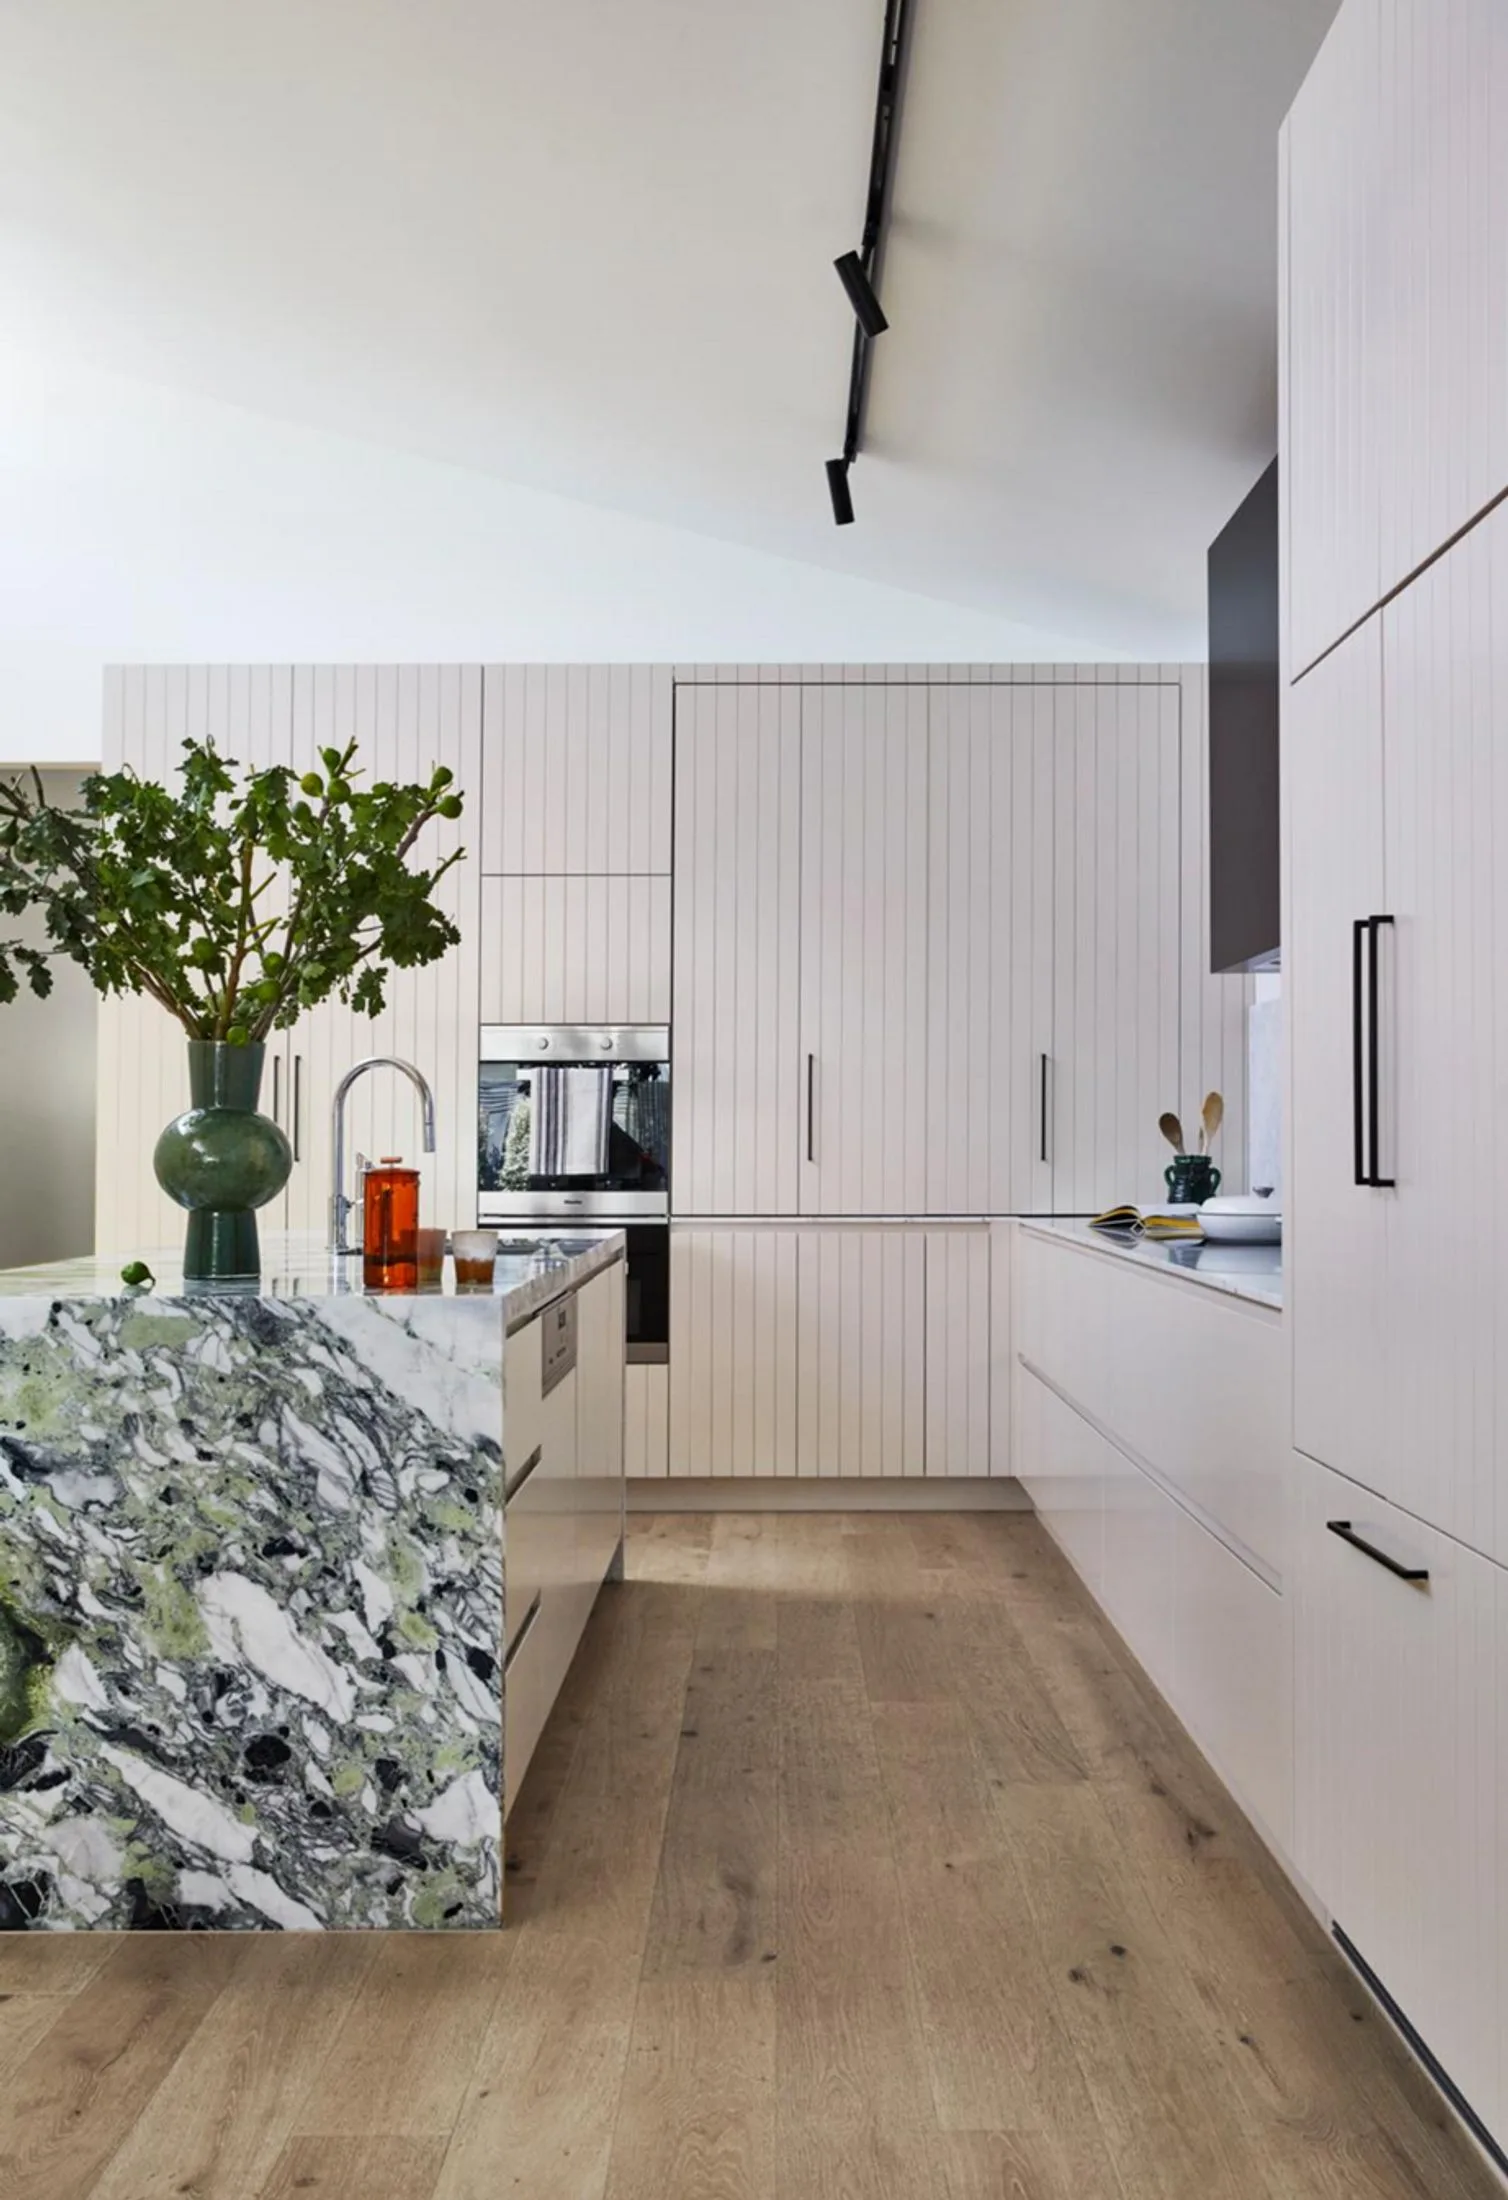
[
  {"x": 1395, "y": 219},
  {"x": 1398, "y": 811},
  {"x": 927, "y": 946},
  {"x": 577, "y": 770}
]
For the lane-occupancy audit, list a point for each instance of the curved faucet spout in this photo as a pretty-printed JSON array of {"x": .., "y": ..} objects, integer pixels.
[{"x": 340, "y": 1205}]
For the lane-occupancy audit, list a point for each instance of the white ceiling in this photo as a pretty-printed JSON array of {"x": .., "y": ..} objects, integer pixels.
[{"x": 586, "y": 246}]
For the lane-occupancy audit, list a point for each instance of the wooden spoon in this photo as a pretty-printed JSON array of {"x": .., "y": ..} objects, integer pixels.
[
  {"x": 1214, "y": 1116},
  {"x": 1172, "y": 1131}
]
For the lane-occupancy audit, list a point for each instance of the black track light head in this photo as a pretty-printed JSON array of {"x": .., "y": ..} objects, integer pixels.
[
  {"x": 837, "y": 489},
  {"x": 861, "y": 294}
]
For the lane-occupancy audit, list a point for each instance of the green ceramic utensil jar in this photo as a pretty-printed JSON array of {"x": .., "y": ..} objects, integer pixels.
[{"x": 1191, "y": 1178}]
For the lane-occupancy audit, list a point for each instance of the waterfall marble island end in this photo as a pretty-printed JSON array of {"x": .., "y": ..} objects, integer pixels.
[{"x": 266, "y": 1558}]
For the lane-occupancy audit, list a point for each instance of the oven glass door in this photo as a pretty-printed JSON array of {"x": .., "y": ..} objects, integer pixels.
[{"x": 587, "y": 1126}]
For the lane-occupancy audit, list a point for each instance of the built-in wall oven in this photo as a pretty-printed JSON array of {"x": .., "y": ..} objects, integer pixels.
[{"x": 573, "y": 1130}]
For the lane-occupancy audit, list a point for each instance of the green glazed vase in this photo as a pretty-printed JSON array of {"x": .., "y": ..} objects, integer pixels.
[
  {"x": 1191, "y": 1178},
  {"x": 222, "y": 1161}
]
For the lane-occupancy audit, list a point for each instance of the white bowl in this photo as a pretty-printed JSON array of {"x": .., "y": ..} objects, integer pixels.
[{"x": 1242, "y": 1219}]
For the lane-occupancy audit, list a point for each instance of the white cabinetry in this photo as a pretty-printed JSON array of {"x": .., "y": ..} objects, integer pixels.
[
  {"x": 733, "y": 1327},
  {"x": 862, "y": 1345},
  {"x": 964, "y": 1434},
  {"x": 575, "y": 844},
  {"x": 1395, "y": 438},
  {"x": 1117, "y": 932},
  {"x": 1330, "y": 450},
  {"x": 564, "y": 1512},
  {"x": 1398, "y": 807},
  {"x": 589, "y": 950},
  {"x": 864, "y": 995},
  {"x": 1151, "y": 1437},
  {"x": 1400, "y": 1811},
  {"x": 990, "y": 977},
  {"x": 929, "y": 946},
  {"x": 577, "y": 770},
  {"x": 736, "y": 1018},
  {"x": 831, "y": 1350},
  {"x": 1396, "y": 305},
  {"x": 1336, "y": 1227},
  {"x": 1445, "y": 1057}
]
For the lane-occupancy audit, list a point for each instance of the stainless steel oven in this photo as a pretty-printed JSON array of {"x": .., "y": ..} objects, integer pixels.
[{"x": 573, "y": 1132}]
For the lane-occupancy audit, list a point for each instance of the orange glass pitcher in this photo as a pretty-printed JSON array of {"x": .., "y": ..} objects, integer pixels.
[{"x": 390, "y": 1227}]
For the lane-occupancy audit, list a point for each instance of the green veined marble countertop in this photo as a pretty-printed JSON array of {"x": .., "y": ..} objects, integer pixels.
[{"x": 300, "y": 1266}]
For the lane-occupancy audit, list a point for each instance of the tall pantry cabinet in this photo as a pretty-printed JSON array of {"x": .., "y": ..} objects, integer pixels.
[
  {"x": 932, "y": 946},
  {"x": 1395, "y": 454},
  {"x": 927, "y": 947}
]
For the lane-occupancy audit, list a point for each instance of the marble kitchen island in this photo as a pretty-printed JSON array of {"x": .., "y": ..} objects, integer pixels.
[{"x": 255, "y": 1559}]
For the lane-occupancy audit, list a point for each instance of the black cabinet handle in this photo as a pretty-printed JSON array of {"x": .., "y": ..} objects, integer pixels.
[
  {"x": 811, "y": 1128},
  {"x": 1042, "y": 1155},
  {"x": 277, "y": 1089},
  {"x": 1378, "y": 1183},
  {"x": 298, "y": 1106},
  {"x": 1358, "y": 931},
  {"x": 1347, "y": 1534}
]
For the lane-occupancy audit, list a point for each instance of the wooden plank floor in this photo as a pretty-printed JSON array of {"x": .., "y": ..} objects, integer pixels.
[{"x": 859, "y": 1860}]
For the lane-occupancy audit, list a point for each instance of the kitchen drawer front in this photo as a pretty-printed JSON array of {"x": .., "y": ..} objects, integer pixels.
[
  {"x": 1399, "y": 1717},
  {"x": 1063, "y": 1464},
  {"x": 537, "y": 1671},
  {"x": 523, "y": 1426},
  {"x": 1192, "y": 1381},
  {"x": 1233, "y": 1674}
]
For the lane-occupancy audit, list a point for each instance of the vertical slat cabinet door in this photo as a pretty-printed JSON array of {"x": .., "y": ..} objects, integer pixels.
[
  {"x": 1336, "y": 1226},
  {"x": 1444, "y": 1029},
  {"x": 1335, "y": 217},
  {"x": 1118, "y": 886},
  {"x": 1441, "y": 287},
  {"x": 733, "y": 1343},
  {"x": 960, "y": 1337},
  {"x": 864, "y": 950},
  {"x": 577, "y": 773},
  {"x": 989, "y": 950},
  {"x": 736, "y": 1026},
  {"x": 862, "y": 1374},
  {"x": 405, "y": 719},
  {"x": 575, "y": 950}
]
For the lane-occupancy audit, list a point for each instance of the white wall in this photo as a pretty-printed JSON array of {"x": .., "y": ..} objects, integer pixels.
[
  {"x": 47, "y": 1051},
  {"x": 139, "y": 525}
]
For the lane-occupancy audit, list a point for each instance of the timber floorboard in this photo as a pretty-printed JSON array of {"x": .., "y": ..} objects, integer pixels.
[{"x": 859, "y": 1861}]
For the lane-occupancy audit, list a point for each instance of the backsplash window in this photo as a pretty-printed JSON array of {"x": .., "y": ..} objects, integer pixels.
[{"x": 1265, "y": 1084}]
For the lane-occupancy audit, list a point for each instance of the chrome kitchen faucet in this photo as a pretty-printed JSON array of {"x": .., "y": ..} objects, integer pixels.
[{"x": 340, "y": 1205}]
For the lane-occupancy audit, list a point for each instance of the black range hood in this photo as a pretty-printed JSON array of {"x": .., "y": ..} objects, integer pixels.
[{"x": 1243, "y": 735}]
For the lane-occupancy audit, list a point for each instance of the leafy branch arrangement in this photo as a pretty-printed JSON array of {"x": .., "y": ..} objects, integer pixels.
[{"x": 236, "y": 904}]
